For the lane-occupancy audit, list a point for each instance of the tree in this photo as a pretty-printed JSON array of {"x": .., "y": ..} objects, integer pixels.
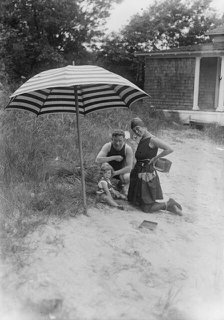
[
  {"x": 37, "y": 34},
  {"x": 165, "y": 24}
]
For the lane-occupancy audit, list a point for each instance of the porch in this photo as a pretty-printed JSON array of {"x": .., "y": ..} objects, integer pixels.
[
  {"x": 195, "y": 116},
  {"x": 188, "y": 82}
]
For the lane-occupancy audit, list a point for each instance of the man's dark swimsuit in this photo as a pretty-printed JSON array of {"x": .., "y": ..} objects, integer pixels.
[{"x": 117, "y": 165}]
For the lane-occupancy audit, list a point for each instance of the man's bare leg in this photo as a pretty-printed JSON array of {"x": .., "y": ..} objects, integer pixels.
[{"x": 125, "y": 179}]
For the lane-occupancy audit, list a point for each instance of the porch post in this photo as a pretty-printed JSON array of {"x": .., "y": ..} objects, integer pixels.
[
  {"x": 221, "y": 87},
  {"x": 196, "y": 83},
  {"x": 217, "y": 83}
]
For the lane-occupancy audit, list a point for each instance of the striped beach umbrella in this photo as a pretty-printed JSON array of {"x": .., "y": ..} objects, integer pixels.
[{"x": 75, "y": 89}]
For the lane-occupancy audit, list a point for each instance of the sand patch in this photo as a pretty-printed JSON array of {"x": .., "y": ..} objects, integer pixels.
[{"x": 104, "y": 267}]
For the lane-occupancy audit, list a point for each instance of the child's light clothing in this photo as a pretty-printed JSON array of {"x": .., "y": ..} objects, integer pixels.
[
  {"x": 114, "y": 193},
  {"x": 100, "y": 187}
]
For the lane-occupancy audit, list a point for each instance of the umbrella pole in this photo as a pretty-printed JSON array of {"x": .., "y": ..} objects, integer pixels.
[{"x": 80, "y": 151}]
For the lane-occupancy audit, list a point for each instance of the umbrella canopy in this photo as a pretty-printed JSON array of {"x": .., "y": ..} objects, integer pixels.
[
  {"x": 75, "y": 89},
  {"x": 53, "y": 91}
]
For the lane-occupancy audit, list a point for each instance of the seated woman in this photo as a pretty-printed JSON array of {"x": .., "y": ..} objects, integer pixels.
[
  {"x": 106, "y": 192},
  {"x": 144, "y": 188}
]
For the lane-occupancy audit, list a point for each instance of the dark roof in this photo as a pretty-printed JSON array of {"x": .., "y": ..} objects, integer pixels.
[
  {"x": 193, "y": 50},
  {"x": 205, "y": 49},
  {"x": 217, "y": 31}
]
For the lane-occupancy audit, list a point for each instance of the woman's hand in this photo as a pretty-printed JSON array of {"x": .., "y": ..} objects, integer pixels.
[{"x": 153, "y": 160}]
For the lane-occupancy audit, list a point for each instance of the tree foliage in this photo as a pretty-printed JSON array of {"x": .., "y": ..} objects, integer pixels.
[
  {"x": 36, "y": 34},
  {"x": 165, "y": 24}
]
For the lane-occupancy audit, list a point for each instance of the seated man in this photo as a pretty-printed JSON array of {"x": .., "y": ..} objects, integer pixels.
[{"x": 120, "y": 156}]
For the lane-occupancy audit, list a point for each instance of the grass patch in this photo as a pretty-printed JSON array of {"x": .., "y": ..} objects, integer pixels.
[{"x": 214, "y": 133}]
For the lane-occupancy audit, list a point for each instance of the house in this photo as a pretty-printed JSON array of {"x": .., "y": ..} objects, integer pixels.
[{"x": 188, "y": 81}]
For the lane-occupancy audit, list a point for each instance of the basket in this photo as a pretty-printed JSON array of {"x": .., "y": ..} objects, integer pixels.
[{"x": 162, "y": 165}]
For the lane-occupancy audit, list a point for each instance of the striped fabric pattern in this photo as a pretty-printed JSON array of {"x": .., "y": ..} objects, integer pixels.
[{"x": 53, "y": 91}]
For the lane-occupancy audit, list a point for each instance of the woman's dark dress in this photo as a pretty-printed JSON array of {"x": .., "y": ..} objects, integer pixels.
[{"x": 144, "y": 188}]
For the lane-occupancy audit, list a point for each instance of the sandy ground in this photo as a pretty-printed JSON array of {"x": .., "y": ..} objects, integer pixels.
[{"x": 103, "y": 267}]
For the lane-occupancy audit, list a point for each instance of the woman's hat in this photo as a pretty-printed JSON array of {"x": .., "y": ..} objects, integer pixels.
[{"x": 137, "y": 122}]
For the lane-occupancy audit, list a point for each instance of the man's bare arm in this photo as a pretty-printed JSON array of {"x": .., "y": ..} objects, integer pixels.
[{"x": 102, "y": 155}]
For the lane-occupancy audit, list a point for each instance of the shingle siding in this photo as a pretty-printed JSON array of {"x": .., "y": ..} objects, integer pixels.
[{"x": 170, "y": 82}]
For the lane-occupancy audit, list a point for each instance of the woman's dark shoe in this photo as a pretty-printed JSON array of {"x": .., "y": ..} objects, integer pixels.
[
  {"x": 174, "y": 207},
  {"x": 171, "y": 201}
]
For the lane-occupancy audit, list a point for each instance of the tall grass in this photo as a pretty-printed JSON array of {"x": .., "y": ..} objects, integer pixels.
[
  {"x": 215, "y": 133},
  {"x": 40, "y": 166}
]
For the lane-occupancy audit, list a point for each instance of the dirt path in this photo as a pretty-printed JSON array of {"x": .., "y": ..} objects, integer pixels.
[{"x": 103, "y": 267}]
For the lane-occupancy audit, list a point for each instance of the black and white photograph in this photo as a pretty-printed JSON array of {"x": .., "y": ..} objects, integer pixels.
[{"x": 112, "y": 160}]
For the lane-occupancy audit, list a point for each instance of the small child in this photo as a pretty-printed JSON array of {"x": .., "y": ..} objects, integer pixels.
[{"x": 106, "y": 192}]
